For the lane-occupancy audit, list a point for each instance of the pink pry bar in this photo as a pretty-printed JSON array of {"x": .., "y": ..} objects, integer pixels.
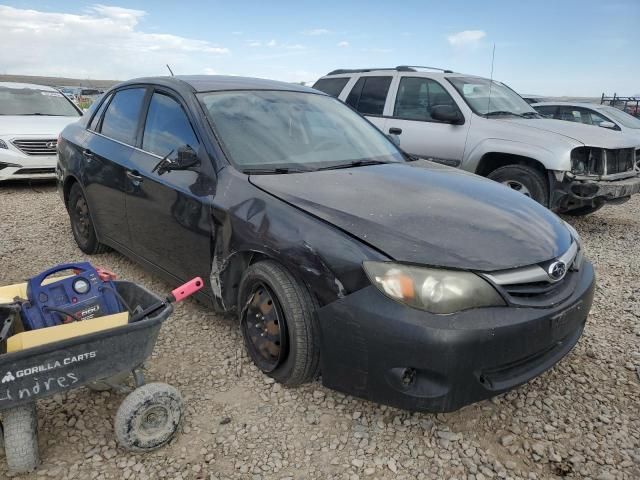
[{"x": 189, "y": 288}]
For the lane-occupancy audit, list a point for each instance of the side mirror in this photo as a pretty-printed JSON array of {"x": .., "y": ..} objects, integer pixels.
[
  {"x": 610, "y": 125},
  {"x": 187, "y": 158},
  {"x": 447, "y": 114}
]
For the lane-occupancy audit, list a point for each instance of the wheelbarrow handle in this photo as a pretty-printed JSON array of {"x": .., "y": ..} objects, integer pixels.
[
  {"x": 176, "y": 295},
  {"x": 186, "y": 290}
]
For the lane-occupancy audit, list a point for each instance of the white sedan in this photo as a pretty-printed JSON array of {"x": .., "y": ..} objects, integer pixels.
[
  {"x": 31, "y": 118},
  {"x": 603, "y": 116}
]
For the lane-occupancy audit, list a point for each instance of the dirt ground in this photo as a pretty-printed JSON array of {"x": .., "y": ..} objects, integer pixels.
[{"x": 579, "y": 420}]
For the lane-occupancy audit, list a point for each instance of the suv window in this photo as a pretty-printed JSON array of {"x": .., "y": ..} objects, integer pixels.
[
  {"x": 417, "y": 96},
  {"x": 121, "y": 118},
  {"x": 331, "y": 86},
  {"x": 369, "y": 94},
  {"x": 167, "y": 127},
  {"x": 96, "y": 118},
  {"x": 547, "y": 111}
]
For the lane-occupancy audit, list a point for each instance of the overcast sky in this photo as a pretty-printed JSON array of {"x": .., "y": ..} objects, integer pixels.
[{"x": 576, "y": 48}]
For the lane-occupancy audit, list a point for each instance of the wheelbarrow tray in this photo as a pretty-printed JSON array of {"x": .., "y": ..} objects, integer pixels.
[{"x": 45, "y": 370}]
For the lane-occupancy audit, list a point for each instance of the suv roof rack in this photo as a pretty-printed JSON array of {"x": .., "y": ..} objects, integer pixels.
[
  {"x": 400, "y": 68},
  {"x": 412, "y": 68}
]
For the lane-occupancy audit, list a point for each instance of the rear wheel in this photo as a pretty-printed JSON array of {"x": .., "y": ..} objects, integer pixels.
[
  {"x": 20, "y": 431},
  {"x": 524, "y": 179},
  {"x": 82, "y": 227},
  {"x": 278, "y": 324}
]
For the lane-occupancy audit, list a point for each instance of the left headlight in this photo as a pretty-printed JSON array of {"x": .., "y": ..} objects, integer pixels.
[
  {"x": 434, "y": 290},
  {"x": 3, "y": 144}
]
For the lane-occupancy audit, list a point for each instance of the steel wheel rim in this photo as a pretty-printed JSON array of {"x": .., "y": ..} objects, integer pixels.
[
  {"x": 82, "y": 220},
  {"x": 264, "y": 328},
  {"x": 518, "y": 187}
]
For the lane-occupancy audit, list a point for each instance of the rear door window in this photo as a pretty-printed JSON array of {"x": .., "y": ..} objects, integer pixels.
[
  {"x": 331, "y": 86},
  {"x": 417, "y": 96},
  {"x": 369, "y": 95},
  {"x": 95, "y": 121},
  {"x": 167, "y": 127},
  {"x": 123, "y": 113}
]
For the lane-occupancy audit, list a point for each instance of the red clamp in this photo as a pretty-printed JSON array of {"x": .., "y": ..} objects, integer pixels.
[{"x": 106, "y": 275}]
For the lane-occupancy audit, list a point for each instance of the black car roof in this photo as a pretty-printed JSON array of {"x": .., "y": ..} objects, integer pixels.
[{"x": 212, "y": 83}]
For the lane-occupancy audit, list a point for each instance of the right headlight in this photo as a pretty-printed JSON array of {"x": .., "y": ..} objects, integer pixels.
[
  {"x": 587, "y": 161},
  {"x": 430, "y": 289}
]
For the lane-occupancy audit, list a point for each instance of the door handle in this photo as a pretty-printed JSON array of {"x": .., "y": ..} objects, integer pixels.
[
  {"x": 88, "y": 154},
  {"x": 395, "y": 131},
  {"x": 135, "y": 177}
]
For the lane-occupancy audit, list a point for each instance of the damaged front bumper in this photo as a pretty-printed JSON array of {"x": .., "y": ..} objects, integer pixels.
[
  {"x": 574, "y": 192},
  {"x": 380, "y": 350}
]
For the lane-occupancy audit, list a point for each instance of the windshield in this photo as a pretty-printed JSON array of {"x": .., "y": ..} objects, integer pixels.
[
  {"x": 279, "y": 129},
  {"x": 30, "y": 101},
  {"x": 622, "y": 118},
  {"x": 486, "y": 97}
]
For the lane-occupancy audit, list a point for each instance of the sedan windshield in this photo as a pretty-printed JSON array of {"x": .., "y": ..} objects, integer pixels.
[
  {"x": 623, "y": 118},
  {"x": 486, "y": 97},
  {"x": 31, "y": 101},
  {"x": 293, "y": 131}
]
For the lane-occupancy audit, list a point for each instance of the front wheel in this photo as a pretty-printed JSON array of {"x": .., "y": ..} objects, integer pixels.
[
  {"x": 148, "y": 417},
  {"x": 523, "y": 179},
  {"x": 278, "y": 324}
]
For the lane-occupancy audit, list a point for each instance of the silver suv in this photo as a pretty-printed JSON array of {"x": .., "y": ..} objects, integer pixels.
[{"x": 486, "y": 128}]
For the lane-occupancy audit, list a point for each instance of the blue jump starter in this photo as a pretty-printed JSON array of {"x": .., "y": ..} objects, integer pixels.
[{"x": 82, "y": 296}]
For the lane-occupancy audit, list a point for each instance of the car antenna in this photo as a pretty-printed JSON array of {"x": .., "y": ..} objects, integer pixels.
[
  {"x": 170, "y": 71},
  {"x": 493, "y": 57}
]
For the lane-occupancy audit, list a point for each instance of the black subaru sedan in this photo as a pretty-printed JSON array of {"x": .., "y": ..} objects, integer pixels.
[{"x": 395, "y": 279}]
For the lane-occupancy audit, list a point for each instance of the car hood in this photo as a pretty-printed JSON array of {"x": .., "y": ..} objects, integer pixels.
[
  {"x": 589, "y": 135},
  {"x": 34, "y": 125},
  {"x": 427, "y": 214}
]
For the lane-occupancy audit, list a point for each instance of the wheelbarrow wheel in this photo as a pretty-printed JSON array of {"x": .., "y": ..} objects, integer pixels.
[
  {"x": 20, "y": 432},
  {"x": 149, "y": 417}
]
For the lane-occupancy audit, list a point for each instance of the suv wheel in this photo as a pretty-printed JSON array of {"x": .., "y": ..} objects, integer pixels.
[{"x": 524, "y": 179}]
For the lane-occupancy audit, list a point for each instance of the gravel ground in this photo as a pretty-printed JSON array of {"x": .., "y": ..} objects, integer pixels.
[{"x": 579, "y": 420}]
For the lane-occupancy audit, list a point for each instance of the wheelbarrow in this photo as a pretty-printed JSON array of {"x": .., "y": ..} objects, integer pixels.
[{"x": 88, "y": 353}]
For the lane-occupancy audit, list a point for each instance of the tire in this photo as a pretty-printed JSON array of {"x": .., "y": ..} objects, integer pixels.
[
  {"x": 20, "y": 429},
  {"x": 84, "y": 232},
  {"x": 295, "y": 307},
  {"x": 524, "y": 179},
  {"x": 106, "y": 384},
  {"x": 582, "y": 211},
  {"x": 149, "y": 417}
]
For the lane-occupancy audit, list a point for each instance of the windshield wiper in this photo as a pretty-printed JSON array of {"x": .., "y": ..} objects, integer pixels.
[
  {"x": 501, "y": 112},
  {"x": 530, "y": 115},
  {"x": 279, "y": 170},
  {"x": 355, "y": 163},
  {"x": 40, "y": 114}
]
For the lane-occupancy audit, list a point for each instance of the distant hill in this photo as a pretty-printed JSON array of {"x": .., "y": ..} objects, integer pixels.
[{"x": 58, "y": 81}]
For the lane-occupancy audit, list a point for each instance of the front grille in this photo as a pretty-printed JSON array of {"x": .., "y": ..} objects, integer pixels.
[
  {"x": 620, "y": 161},
  {"x": 35, "y": 171},
  {"x": 600, "y": 161},
  {"x": 533, "y": 287},
  {"x": 36, "y": 147}
]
